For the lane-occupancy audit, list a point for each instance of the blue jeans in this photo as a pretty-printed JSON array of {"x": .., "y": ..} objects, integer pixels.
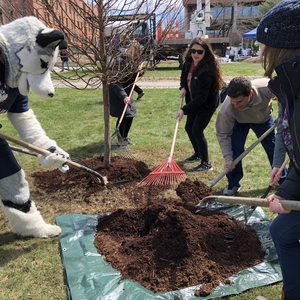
[
  {"x": 285, "y": 232},
  {"x": 238, "y": 140},
  {"x": 63, "y": 62}
]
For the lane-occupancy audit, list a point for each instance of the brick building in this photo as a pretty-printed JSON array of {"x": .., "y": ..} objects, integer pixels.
[{"x": 68, "y": 16}]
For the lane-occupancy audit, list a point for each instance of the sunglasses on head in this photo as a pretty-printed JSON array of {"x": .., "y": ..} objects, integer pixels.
[{"x": 193, "y": 51}]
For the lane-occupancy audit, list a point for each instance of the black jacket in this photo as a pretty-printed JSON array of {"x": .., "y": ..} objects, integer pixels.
[
  {"x": 205, "y": 96},
  {"x": 119, "y": 90},
  {"x": 117, "y": 93},
  {"x": 286, "y": 86}
]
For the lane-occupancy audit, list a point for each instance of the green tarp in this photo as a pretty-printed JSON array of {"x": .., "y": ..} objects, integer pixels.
[{"x": 89, "y": 277}]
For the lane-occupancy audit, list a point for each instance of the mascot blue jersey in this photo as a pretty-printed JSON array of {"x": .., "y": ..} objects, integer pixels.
[{"x": 10, "y": 100}]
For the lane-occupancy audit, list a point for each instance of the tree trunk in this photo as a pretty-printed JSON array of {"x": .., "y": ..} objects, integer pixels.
[{"x": 107, "y": 146}]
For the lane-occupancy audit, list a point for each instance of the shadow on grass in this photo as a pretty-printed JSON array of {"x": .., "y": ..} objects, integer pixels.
[
  {"x": 14, "y": 246},
  {"x": 89, "y": 150}
]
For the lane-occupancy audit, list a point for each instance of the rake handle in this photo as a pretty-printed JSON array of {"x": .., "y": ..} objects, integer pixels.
[
  {"x": 287, "y": 204},
  {"x": 44, "y": 152},
  {"x": 241, "y": 156},
  {"x": 175, "y": 134}
]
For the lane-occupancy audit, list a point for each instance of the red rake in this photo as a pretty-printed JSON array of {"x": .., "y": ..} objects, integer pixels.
[{"x": 168, "y": 172}]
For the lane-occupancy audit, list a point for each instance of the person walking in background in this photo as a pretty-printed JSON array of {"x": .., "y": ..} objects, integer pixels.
[
  {"x": 279, "y": 35},
  {"x": 248, "y": 105},
  {"x": 120, "y": 90},
  {"x": 64, "y": 55},
  {"x": 200, "y": 83}
]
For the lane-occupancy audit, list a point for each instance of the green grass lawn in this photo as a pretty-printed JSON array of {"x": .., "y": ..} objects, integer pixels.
[{"x": 32, "y": 268}]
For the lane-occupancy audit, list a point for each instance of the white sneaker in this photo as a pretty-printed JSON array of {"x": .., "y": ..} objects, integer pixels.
[
  {"x": 231, "y": 190},
  {"x": 260, "y": 298}
]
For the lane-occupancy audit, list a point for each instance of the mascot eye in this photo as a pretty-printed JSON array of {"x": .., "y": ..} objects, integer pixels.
[{"x": 44, "y": 64}]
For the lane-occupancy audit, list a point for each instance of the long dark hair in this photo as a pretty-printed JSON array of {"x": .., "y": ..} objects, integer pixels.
[
  {"x": 272, "y": 57},
  {"x": 209, "y": 59}
]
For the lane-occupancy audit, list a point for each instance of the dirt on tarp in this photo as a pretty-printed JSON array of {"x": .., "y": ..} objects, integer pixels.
[{"x": 154, "y": 235}]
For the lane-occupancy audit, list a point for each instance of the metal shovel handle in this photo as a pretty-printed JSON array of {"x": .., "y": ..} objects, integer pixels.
[{"x": 44, "y": 152}]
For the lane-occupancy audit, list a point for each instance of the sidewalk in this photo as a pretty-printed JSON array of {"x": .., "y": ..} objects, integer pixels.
[{"x": 144, "y": 83}]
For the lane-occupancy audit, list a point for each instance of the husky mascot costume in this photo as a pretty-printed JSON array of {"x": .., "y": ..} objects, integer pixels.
[{"x": 28, "y": 51}]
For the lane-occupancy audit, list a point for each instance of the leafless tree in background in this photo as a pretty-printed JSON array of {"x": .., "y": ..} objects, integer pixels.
[{"x": 97, "y": 32}]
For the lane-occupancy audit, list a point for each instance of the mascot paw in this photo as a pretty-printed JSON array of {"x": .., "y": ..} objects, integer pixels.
[
  {"x": 54, "y": 160},
  {"x": 30, "y": 224},
  {"x": 48, "y": 231}
]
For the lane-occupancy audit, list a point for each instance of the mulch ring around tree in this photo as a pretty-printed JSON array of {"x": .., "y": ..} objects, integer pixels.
[{"x": 160, "y": 241}]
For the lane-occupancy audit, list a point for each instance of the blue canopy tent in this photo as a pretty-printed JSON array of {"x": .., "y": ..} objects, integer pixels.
[{"x": 250, "y": 35}]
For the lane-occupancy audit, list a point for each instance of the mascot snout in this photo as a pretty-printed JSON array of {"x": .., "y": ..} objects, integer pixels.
[{"x": 41, "y": 85}]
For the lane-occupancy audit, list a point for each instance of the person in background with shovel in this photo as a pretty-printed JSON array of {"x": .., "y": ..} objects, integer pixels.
[
  {"x": 126, "y": 68},
  {"x": 248, "y": 105},
  {"x": 279, "y": 35}
]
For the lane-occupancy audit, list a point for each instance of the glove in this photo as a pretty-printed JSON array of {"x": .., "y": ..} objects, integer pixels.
[
  {"x": 54, "y": 160},
  {"x": 57, "y": 159},
  {"x": 56, "y": 149}
]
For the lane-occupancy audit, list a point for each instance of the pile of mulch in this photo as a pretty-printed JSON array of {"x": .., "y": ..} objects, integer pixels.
[
  {"x": 159, "y": 241},
  {"x": 121, "y": 169},
  {"x": 166, "y": 247}
]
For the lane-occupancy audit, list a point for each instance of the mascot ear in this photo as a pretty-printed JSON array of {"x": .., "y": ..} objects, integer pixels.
[{"x": 51, "y": 38}]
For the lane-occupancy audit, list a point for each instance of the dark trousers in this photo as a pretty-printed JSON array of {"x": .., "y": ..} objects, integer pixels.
[
  {"x": 9, "y": 164},
  {"x": 285, "y": 232},
  {"x": 138, "y": 89},
  {"x": 238, "y": 140},
  {"x": 125, "y": 126},
  {"x": 195, "y": 126}
]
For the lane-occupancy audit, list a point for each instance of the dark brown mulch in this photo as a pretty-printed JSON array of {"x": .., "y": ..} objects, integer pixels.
[{"x": 153, "y": 235}]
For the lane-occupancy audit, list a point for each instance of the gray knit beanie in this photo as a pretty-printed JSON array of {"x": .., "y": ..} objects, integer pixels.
[{"x": 280, "y": 27}]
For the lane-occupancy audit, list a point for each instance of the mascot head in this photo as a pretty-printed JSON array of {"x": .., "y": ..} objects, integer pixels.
[{"x": 29, "y": 51}]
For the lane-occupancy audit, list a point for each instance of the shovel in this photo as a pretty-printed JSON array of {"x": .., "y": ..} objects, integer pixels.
[
  {"x": 272, "y": 185},
  {"x": 241, "y": 156},
  {"x": 251, "y": 209},
  {"x": 230, "y": 237},
  {"x": 43, "y": 152}
]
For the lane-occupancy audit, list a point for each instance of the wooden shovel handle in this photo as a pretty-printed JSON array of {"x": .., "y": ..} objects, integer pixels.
[
  {"x": 281, "y": 169},
  {"x": 287, "y": 204},
  {"x": 131, "y": 92}
]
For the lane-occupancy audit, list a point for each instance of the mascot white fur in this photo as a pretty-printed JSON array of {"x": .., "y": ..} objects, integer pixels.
[{"x": 28, "y": 51}]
